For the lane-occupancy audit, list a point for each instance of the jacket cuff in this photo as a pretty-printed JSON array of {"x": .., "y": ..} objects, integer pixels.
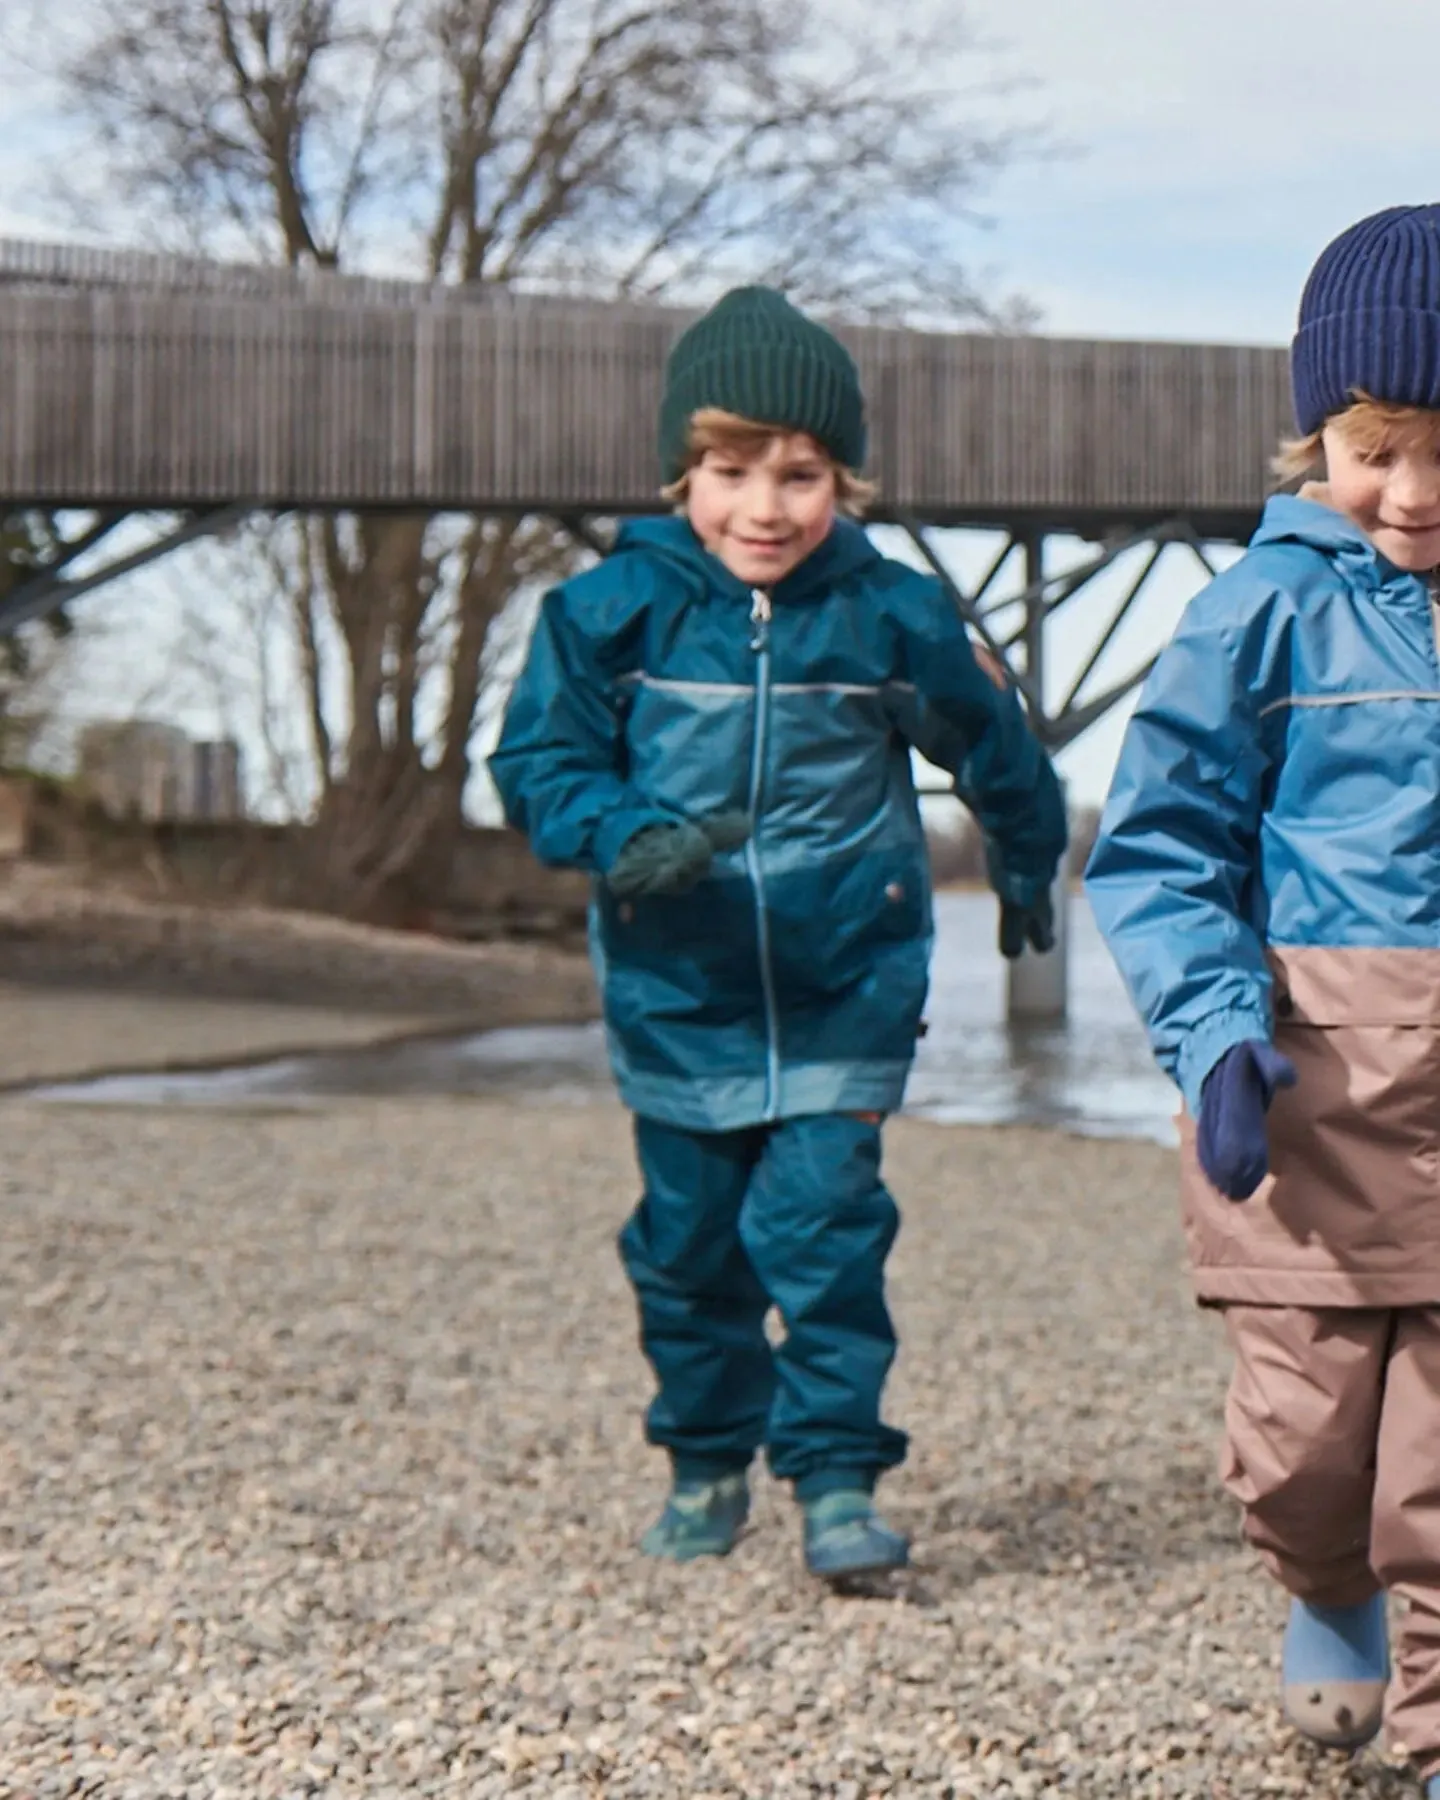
[{"x": 1207, "y": 1043}]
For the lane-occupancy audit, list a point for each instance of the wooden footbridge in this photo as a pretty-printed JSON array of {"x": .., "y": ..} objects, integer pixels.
[{"x": 137, "y": 384}]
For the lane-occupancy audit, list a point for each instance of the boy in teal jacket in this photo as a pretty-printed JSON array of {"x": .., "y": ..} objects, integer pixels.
[{"x": 717, "y": 722}]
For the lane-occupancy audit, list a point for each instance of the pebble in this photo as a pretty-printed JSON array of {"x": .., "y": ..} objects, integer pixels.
[{"x": 321, "y": 1468}]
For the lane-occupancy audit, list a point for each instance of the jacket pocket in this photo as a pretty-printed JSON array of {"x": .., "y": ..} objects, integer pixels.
[{"x": 830, "y": 924}]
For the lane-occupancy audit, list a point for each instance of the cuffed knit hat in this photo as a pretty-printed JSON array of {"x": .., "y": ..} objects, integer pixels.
[
  {"x": 1370, "y": 318},
  {"x": 754, "y": 354}
]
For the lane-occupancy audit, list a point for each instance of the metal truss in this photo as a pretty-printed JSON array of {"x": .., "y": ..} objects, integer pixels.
[
  {"x": 1038, "y": 601},
  {"x": 48, "y": 589},
  {"x": 1019, "y": 645},
  {"x": 1020, "y": 648}
]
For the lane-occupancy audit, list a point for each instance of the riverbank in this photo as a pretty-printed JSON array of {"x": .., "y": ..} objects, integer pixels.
[{"x": 93, "y": 979}]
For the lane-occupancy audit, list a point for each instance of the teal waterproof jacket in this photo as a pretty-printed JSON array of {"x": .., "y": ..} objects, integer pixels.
[{"x": 658, "y": 687}]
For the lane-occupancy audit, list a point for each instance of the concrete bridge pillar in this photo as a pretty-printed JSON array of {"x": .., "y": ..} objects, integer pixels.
[{"x": 1038, "y": 986}]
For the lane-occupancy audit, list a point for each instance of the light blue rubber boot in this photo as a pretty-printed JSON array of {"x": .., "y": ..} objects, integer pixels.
[
  {"x": 1432, "y": 1788},
  {"x": 1335, "y": 1669},
  {"x": 701, "y": 1518},
  {"x": 846, "y": 1537}
]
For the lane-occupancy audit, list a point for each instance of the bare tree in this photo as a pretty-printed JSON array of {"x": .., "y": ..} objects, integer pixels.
[
  {"x": 620, "y": 147},
  {"x": 32, "y": 658}
]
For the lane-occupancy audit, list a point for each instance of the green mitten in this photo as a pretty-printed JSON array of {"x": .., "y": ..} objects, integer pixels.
[
  {"x": 662, "y": 859},
  {"x": 726, "y": 830},
  {"x": 670, "y": 859}
]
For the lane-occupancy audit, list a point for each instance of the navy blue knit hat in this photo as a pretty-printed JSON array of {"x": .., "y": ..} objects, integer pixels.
[{"x": 1370, "y": 318}]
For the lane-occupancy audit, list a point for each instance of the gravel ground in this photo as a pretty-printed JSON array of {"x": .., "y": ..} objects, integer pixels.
[{"x": 321, "y": 1467}]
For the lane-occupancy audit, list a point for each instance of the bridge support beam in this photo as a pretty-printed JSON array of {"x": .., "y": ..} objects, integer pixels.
[
  {"x": 48, "y": 589},
  {"x": 582, "y": 529},
  {"x": 1020, "y": 645},
  {"x": 1038, "y": 987}
]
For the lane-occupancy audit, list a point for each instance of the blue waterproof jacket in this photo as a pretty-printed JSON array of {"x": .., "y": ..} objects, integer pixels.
[
  {"x": 1279, "y": 785},
  {"x": 1268, "y": 864},
  {"x": 791, "y": 980}
]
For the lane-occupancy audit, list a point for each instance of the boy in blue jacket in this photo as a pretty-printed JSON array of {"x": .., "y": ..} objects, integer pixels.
[
  {"x": 1268, "y": 877},
  {"x": 717, "y": 722}
]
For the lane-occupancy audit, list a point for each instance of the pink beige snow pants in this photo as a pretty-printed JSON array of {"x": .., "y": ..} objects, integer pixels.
[{"x": 1333, "y": 1449}]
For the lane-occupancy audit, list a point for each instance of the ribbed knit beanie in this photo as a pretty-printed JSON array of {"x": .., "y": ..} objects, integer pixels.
[
  {"x": 1370, "y": 318},
  {"x": 756, "y": 355}
]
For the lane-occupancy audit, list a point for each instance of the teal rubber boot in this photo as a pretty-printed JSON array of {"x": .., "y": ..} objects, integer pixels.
[
  {"x": 701, "y": 1518},
  {"x": 846, "y": 1537},
  {"x": 1335, "y": 1669}
]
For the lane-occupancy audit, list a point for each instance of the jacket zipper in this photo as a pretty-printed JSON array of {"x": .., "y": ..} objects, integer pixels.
[
  {"x": 760, "y": 644},
  {"x": 1433, "y": 585}
]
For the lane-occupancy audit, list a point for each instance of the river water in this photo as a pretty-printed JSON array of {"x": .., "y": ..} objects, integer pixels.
[{"x": 1092, "y": 1075}]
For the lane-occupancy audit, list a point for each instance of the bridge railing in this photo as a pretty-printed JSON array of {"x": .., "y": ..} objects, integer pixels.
[{"x": 141, "y": 396}]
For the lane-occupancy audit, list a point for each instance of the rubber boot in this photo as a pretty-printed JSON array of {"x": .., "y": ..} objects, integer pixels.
[
  {"x": 701, "y": 1518},
  {"x": 1335, "y": 1668},
  {"x": 846, "y": 1537}
]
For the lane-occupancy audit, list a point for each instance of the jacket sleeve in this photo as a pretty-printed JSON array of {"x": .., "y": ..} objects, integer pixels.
[
  {"x": 1171, "y": 877},
  {"x": 967, "y": 721},
  {"x": 560, "y": 762}
]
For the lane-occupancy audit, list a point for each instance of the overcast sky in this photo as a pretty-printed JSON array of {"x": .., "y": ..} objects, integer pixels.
[
  {"x": 1220, "y": 146},
  {"x": 1215, "y": 149}
]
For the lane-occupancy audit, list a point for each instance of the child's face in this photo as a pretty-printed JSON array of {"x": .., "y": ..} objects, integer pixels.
[
  {"x": 1391, "y": 491},
  {"x": 763, "y": 515}
]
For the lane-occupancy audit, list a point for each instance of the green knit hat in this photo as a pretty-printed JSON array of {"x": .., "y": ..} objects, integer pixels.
[{"x": 754, "y": 354}]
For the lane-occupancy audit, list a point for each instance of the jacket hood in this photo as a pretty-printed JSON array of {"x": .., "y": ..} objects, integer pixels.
[
  {"x": 1308, "y": 518},
  {"x": 845, "y": 551}
]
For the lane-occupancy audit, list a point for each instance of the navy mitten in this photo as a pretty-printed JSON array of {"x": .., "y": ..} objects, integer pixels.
[{"x": 1232, "y": 1142}]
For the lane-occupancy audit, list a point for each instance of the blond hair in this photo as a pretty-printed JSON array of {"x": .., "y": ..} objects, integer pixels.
[
  {"x": 1368, "y": 427},
  {"x": 712, "y": 428}
]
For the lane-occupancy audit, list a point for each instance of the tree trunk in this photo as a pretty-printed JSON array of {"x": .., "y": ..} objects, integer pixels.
[{"x": 385, "y": 833}]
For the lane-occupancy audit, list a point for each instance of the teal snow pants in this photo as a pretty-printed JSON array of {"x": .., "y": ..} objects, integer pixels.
[{"x": 792, "y": 1215}]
